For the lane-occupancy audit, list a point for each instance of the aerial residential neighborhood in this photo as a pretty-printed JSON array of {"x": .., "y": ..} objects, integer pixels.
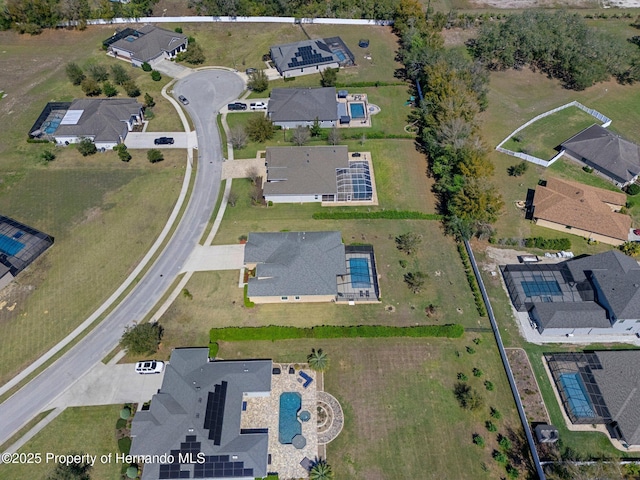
[{"x": 384, "y": 240}]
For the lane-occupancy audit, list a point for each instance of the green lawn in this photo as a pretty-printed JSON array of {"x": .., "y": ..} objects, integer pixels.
[
  {"x": 543, "y": 137},
  {"x": 401, "y": 418},
  {"x": 90, "y": 430}
]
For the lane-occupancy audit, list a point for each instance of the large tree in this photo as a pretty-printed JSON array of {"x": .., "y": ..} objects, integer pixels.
[
  {"x": 142, "y": 338},
  {"x": 260, "y": 129},
  {"x": 71, "y": 471},
  {"x": 258, "y": 81}
]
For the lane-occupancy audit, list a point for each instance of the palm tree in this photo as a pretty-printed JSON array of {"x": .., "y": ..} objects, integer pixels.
[
  {"x": 317, "y": 359},
  {"x": 321, "y": 470}
]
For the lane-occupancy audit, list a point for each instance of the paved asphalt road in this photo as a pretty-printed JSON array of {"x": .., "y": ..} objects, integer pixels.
[{"x": 208, "y": 91}]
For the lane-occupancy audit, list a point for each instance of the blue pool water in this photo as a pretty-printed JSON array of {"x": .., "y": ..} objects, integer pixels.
[
  {"x": 9, "y": 245},
  {"x": 53, "y": 126},
  {"x": 289, "y": 426},
  {"x": 537, "y": 288},
  {"x": 359, "y": 269},
  {"x": 357, "y": 110},
  {"x": 576, "y": 395},
  {"x": 340, "y": 55}
]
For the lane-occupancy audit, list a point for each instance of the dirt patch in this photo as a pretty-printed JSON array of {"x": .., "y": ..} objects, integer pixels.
[
  {"x": 505, "y": 256},
  {"x": 527, "y": 385}
]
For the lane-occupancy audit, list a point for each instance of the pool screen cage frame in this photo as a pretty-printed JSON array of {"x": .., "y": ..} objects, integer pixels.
[
  {"x": 583, "y": 364},
  {"x": 353, "y": 182},
  {"x": 359, "y": 249}
]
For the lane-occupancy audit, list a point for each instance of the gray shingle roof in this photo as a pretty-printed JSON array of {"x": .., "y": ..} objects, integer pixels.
[
  {"x": 570, "y": 315},
  {"x": 613, "y": 155},
  {"x": 179, "y": 410},
  {"x": 289, "y": 53},
  {"x": 295, "y": 263},
  {"x": 619, "y": 383},
  {"x": 303, "y": 104},
  {"x": 102, "y": 118},
  {"x": 304, "y": 170},
  {"x": 153, "y": 42}
]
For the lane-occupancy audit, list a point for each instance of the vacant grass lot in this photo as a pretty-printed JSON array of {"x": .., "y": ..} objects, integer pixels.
[
  {"x": 401, "y": 418},
  {"x": 543, "y": 137},
  {"x": 90, "y": 430}
]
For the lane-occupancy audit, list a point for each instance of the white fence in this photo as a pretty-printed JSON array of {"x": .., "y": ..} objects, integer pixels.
[
  {"x": 199, "y": 19},
  {"x": 606, "y": 121}
]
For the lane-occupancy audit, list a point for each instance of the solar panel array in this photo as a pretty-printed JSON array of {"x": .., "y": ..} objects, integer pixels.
[
  {"x": 214, "y": 415},
  {"x": 213, "y": 465},
  {"x": 308, "y": 56}
]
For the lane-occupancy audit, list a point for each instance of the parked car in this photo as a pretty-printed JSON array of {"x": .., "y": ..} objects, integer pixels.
[
  {"x": 249, "y": 71},
  {"x": 149, "y": 366},
  {"x": 636, "y": 231},
  {"x": 356, "y": 154},
  {"x": 258, "y": 106},
  {"x": 163, "y": 141},
  {"x": 183, "y": 100},
  {"x": 237, "y": 106}
]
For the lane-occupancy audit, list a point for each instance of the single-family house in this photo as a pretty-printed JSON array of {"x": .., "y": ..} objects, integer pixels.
[
  {"x": 193, "y": 426},
  {"x": 304, "y": 58},
  {"x": 581, "y": 210},
  {"x": 609, "y": 154},
  {"x": 600, "y": 387},
  {"x": 317, "y": 174},
  {"x": 106, "y": 121},
  {"x": 293, "y": 107},
  {"x": 145, "y": 44},
  {"x": 587, "y": 295}
]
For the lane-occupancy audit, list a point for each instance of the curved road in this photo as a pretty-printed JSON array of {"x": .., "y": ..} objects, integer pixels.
[{"x": 207, "y": 91}]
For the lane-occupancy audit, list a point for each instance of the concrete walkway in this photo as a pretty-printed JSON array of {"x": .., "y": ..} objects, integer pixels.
[{"x": 218, "y": 257}]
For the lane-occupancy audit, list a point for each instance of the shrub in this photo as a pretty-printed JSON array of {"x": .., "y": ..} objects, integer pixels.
[
  {"x": 154, "y": 155},
  {"x": 74, "y": 73},
  {"x": 142, "y": 338},
  {"x": 467, "y": 397},
  {"x": 375, "y": 215},
  {"x": 247, "y": 303},
  {"x": 495, "y": 413},
  {"x": 131, "y": 88},
  {"x": 120, "y": 75},
  {"x": 403, "y": 263},
  {"x": 548, "y": 243},
  {"x": 193, "y": 55},
  {"x": 471, "y": 350},
  {"x": 504, "y": 443},
  {"x": 477, "y": 372},
  {"x": 408, "y": 242},
  {"x": 519, "y": 169},
  {"x": 415, "y": 281},
  {"x": 512, "y": 472},
  {"x": 500, "y": 457},
  {"x": 329, "y": 77},
  {"x": 124, "y": 445},
  {"x": 146, "y": 67},
  {"x": 260, "y": 129},
  {"x": 630, "y": 248},
  {"x": 633, "y": 189},
  {"x": 478, "y": 440},
  {"x": 477, "y": 341},
  {"x": 473, "y": 282},
  {"x": 462, "y": 377},
  {"x": 90, "y": 87},
  {"x": 98, "y": 72},
  {"x": 125, "y": 413},
  {"x": 123, "y": 153},
  {"x": 213, "y": 350},
  {"x": 178, "y": 29},
  {"x": 149, "y": 102},
  {"x": 488, "y": 385},
  {"x": 48, "y": 156},
  {"x": 258, "y": 81},
  {"x": 587, "y": 169},
  {"x": 155, "y": 76},
  {"x": 490, "y": 426},
  {"x": 109, "y": 90},
  {"x": 132, "y": 472},
  {"x": 86, "y": 147}
]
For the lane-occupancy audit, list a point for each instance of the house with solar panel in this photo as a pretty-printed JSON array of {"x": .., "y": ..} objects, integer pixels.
[
  {"x": 600, "y": 388},
  {"x": 309, "y": 267},
  {"x": 20, "y": 245},
  {"x": 310, "y": 56},
  {"x": 145, "y": 44},
  {"x": 106, "y": 121},
  {"x": 588, "y": 295},
  {"x": 327, "y": 174}
]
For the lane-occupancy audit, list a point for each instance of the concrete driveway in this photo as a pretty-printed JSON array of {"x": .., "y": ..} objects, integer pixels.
[
  {"x": 145, "y": 140},
  {"x": 110, "y": 385},
  {"x": 248, "y": 102},
  {"x": 171, "y": 69},
  {"x": 218, "y": 257}
]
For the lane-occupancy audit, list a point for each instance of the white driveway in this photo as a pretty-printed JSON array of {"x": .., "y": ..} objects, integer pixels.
[
  {"x": 145, "y": 140},
  {"x": 171, "y": 69},
  {"x": 218, "y": 257},
  {"x": 109, "y": 385}
]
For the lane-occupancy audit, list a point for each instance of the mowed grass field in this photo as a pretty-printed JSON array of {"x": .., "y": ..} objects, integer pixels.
[
  {"x": 90, "y": 430},
  {"x": 104, "y": 214},
  {"x": 401, "y": 417}
]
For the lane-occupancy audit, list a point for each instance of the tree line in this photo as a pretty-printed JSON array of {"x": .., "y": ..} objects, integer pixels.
[
  {"x": 559, "y": 44},
  {"x": 454, "y": 91}
]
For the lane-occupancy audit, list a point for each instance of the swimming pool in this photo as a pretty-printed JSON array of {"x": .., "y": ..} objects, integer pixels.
[
  {"x": 289, "y": 426},
  {"x": 9, "y": 245},
  {"x": 340, "y": 55},
  {"x": 357, "y": 110},
  {"x": 576, "y": 395},
  {"x": 359, "y": 270},
  {"x": 53, "y": 126},
  {"x": 541, "y": 287}
]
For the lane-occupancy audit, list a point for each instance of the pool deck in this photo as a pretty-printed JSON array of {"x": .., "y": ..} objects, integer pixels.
[
  {"x": 364, "y": 157},
  {"x": 262, "y": 413},
  {"x": 356, "y": 122}
]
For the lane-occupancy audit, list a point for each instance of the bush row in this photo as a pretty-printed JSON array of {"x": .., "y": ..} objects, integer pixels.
[
  {"x": 471, "y": 278},
  {"x": 548, "y": 243},
  {"x": 276, "y": 332},
  {"x": 379, "y": 214},
  {"x": 377, "y": 83}
]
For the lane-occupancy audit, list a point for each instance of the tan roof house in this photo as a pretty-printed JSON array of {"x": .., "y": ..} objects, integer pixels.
[{"x": 581, "y": 210}]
